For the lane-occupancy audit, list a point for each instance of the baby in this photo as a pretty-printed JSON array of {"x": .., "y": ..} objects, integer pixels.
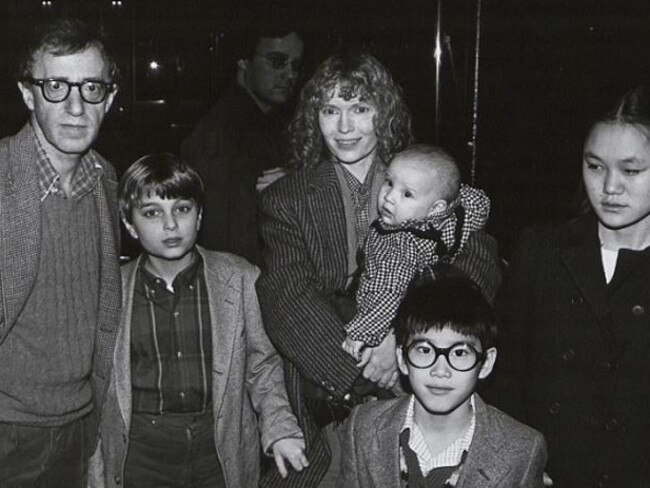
[{"x": 426, "y": 215}]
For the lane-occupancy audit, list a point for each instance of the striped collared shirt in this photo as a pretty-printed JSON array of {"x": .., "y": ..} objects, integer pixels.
[
  {"x": 361, "y": 196},
  {"x": 451, "y": 456},
  {"x": 86, "y": 176},
  {"x": 171, "y": 342}
]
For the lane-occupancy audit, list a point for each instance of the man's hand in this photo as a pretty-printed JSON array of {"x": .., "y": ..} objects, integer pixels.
[
  {"x": 269, "y": 176},
  {"x": 290, "y": 449},
  {"x": 381, "y": 367}
]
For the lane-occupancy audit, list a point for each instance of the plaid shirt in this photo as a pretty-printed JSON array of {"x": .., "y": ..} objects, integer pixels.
[
  {"x": 171, "y": 343},
  {"x": 395, "y": 254},
  {"x": 452, "y": 454},
  {"x": 361, "y": 199},
  {"x": 85, "y": 177}
]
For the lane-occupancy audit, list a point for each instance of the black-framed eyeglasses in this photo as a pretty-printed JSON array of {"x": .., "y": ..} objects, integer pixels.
[
  {"x": 280, "y": 61},
  {"x": 461, "y": 356},
  {"x": 55, "y": 90}
]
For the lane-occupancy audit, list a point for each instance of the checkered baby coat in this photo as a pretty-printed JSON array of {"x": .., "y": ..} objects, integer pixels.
[{"x": 394, "y": 254}]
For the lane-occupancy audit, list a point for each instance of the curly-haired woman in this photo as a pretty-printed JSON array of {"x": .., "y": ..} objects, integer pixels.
[{"x": 351, "y": 119}]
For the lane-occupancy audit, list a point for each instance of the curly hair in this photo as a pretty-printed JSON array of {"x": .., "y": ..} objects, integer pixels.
[{"x": 354, "y": 75}]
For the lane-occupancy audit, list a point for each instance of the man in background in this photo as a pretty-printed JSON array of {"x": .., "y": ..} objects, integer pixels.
[{"x": 238, "y": 147}]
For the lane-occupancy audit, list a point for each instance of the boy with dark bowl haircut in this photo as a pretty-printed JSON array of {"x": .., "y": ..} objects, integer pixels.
[
  {"x": 197, "y": 381},
  {"x": 443, "y": 435}
]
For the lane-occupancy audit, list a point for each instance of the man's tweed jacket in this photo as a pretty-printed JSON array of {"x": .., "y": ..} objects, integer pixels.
[
  {"x": 503, "y": 452},
  {"x": 304, "y": 231},
  {"x": 20, "y": 240}
]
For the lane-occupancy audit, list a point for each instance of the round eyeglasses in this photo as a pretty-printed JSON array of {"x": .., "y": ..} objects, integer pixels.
[
  {"x": 461, "y": 356},
  {"x": 56, "y": 91}
]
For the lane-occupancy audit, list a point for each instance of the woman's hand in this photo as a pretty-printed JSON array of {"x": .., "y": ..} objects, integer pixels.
[{"x": 381, "y": 366}]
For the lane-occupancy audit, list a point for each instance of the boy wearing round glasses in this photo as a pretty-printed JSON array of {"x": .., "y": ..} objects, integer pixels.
[{"x": 443, "y": 435}]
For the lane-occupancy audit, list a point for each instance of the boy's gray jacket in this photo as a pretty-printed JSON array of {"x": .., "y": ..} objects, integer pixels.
[
  {"x": 503, "y": 453},
  {"x": 248, "y": 393}
]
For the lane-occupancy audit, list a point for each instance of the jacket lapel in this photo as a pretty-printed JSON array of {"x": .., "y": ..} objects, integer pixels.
[
  {"x": 485, "y": 467},
  {"x": 21, "y": 214},
  {"x": 328, "y": 230},
  {"x": 224, "y": 300},
  {"x": 580, "y": 253},
  {"x": 385, "y": 444},
  {"x": 108, "y": 310},
  {"x": 122, "y": 362}
]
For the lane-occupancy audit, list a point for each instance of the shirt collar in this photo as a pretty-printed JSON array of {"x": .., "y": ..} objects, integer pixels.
[
  {"x": 185, "y": 279},
  {"x": 451, "y": 456},
  {"x": 355, "y": 185},
  {"x": 49, "y": 182}
]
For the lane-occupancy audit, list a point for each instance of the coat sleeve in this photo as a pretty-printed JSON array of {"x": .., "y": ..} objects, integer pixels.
[
  {"x": 265, "y": 374},
  {"x": 299, "y": 318},
  {"x": 391, "y": 262},
  {"x": 533, "y": 476},
  {"x": 479, "y": 260}
]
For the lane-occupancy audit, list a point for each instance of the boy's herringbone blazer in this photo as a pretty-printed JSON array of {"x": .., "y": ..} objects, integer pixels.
[
  {"x": 303, "y": 226},
  {"x": 20, "y": 240},
  {"x": 249, "y": 401},
  {"x": 503, "y": 452}
]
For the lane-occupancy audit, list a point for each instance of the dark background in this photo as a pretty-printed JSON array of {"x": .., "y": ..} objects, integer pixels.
[{"x": 546, "y": 69}]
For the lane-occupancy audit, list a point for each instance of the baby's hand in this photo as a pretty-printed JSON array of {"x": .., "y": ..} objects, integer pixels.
[
  {"x": 290, "y": 449},
  {"x": 352, "y": 347},
  {"x": 366, "y": 353}
]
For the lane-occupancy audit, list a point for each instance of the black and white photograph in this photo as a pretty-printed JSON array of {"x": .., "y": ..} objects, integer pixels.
[{"x": 324, "y": 243}]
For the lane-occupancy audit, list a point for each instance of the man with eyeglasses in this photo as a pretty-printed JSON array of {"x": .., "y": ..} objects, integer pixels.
[
  {"x": 239, "y": 146},
  {"x": 59, "y": 275}
]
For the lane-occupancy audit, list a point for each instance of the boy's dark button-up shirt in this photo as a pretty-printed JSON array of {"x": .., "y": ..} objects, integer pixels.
[{"x": 171, "y": 343}]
